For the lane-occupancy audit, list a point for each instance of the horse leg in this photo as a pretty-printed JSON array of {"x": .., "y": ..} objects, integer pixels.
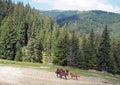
[
  {"x": 60, "y": 75},
  {"x": 76, "y": 78},
  {"x": 65, "y": 77},
  {"x": 71, "y": 77},
  {"x": 57, "y": 75}
]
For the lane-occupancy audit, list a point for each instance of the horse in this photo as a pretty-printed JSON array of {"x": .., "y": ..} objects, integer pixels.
[
  {"x": 74, "y": 75},
  {"x": 62, "y": 72},
  {"x": 58, "y": 71}
]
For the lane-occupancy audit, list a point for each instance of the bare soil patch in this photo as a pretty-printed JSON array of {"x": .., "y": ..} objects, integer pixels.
[{"x": 27, "y": 76}]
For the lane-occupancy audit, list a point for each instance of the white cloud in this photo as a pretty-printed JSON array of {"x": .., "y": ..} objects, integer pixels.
[{"x": 80, "y": 5}]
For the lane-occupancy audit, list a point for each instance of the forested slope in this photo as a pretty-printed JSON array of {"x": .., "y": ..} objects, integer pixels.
[{"x": 84, "y": 21}]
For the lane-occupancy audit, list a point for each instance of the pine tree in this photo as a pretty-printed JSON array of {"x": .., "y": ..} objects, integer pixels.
[
  {"x": 62, "y": 48},
  {"x": 104, "y": 57},
  {"x": 117, "y": 56},
  {"x": 48, "y": 26},
  {"x": 73, "y": 58},
  {"x": 92, "y": 56},
  {"x": 34, "y": 47},
  {"x": 38, "y": 51},
  {"x": 6, "y": 9},
  {"x": 18, "y": 56},
  {"x": 85, "y": 52},
  {"x": 55, "y": 35},
  {"x": 8, "y": 39},
  {"x": 27, "y": 51},
  {"x": 19, "y": 18}
]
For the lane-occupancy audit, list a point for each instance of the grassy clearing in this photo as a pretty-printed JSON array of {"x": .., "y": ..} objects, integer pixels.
[{"x": 52, "y": 68}]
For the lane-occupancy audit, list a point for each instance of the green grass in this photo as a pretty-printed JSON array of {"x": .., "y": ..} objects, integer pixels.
[{"x": 52, "y": 68}]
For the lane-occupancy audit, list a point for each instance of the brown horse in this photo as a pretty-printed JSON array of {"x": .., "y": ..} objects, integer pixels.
[
  {"x": 62, "y": 72},
  {"x": 74, "y": 75}
]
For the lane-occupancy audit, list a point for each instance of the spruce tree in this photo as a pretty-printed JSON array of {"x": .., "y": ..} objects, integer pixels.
[
  {"x": 48, "y": 26},
  {"x": 92, "y": 56},
  {"x": 73, "y": 58},
  {"x": 8, "y": 39},
  {"x": 34, "y": 47},
  {"x": 18, "y": 56},
  {"x": 38, "y": 51},
  {"x": 55, "y": 35},
  {"x": 117, "y": 57},
  {"x": 85, "y": 52},
  {"x": 62, "y": 48},
  {"x": 104, "y": 57},
  {"x": 21, "y": 24}
]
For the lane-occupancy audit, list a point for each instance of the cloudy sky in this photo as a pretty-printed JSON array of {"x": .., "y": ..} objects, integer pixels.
[{"x": 83, "y": 5}]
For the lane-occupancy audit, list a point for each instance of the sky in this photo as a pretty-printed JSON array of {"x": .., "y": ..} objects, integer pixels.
[{"x": 82, "y": 5}]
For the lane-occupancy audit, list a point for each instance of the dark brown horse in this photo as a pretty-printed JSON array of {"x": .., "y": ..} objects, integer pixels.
[{"x": 62, "y": 72}]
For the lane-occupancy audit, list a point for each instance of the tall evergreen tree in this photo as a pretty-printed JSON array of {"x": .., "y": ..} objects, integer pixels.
[
  {"x": 20, "y": 23},
  {"x": 38, "y": 51},
  {"x": 48, "y": 25},
  {"x": 92, "y": 56},
  {"x": 6, "y": 9},
  {"x": 62, "y": 48},
  {"x": 34, "y": 46},
  {"x": 18, "y": 56},
  {"x": 117, "y": 57},
  {"x": 73, "y": 58},
  {"x": 55, "y": 35},
  {"x": 85, "y": 52},
  {"x": 8, "y": 39},
  {"x": 104, "y": 57}
]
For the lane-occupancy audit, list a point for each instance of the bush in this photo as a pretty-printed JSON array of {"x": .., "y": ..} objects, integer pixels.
[{"x": 55, "y": 60}]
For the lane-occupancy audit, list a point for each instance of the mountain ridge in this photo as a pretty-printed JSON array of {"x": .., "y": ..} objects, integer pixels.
[{"x": 84, "y": 21}]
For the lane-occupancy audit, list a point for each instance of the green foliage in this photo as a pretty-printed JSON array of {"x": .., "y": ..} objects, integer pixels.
[
  {"x": 34, "y": 46},
  {"x": 92, "y": 54},
  {"x": 62, "y": 47},
  {"x": 30, "y": 47},
  {"x": 73, "y": 58},
  {"x": 85, "y": 52},
  {"x": 26, "y": 36},
  {"x": 17, "y": 27},
  {"x": 6, "y": 8},
  {"x": 38, "y": 51},
  {"x": 105, "y": 59},
  {"x": 8, "y": 39},
  {"x": 25, "y": 57},
  {"x": 57, "y": 14},
  {"x": 18, "y": 56},
  {"x": 117, "y": 56},
  {"x": 55, "y": 60},
  {"x": 87, "y": 20}
]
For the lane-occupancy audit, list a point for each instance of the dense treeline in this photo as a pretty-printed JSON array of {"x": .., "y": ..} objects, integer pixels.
[{"x": 26, "y": 36}]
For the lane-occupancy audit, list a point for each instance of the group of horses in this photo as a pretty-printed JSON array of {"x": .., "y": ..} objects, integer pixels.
[{"x": 63, "y": 73}]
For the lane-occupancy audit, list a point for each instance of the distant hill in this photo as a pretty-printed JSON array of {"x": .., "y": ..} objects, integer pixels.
[
  {"x": 86, "y": 20},
  {"x": 58, "y": 14}
]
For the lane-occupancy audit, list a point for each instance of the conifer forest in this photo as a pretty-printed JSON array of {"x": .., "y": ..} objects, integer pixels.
[{"x": 26, "y": 35}]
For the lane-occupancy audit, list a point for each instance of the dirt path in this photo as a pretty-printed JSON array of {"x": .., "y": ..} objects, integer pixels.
[{"x": 27, "y": 76}]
